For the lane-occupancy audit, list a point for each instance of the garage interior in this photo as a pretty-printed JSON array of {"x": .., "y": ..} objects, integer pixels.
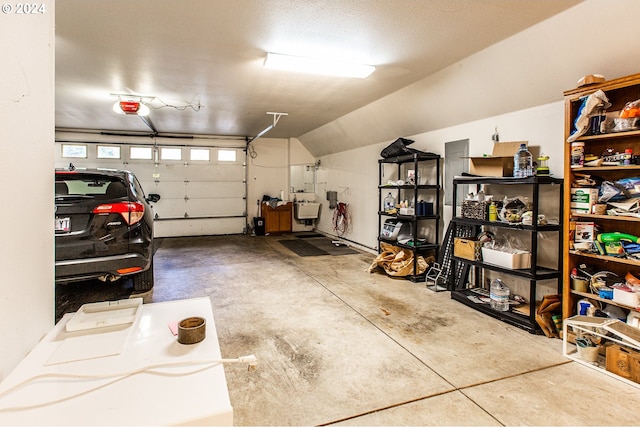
[{"x": 336, "y": 344}]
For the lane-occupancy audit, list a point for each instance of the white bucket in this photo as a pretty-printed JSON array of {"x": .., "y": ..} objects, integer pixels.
[{"x": 588, "y": 354}]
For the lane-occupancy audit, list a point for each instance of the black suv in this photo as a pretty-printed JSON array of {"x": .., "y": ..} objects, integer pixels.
[{"x": 103, "y": 226}]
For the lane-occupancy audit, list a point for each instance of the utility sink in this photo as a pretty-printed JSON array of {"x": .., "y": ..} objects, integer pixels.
[{"x": 306, "y": 210}]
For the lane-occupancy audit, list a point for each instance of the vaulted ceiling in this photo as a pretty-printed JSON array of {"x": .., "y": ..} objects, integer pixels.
[{"x": 199, "y": 63}]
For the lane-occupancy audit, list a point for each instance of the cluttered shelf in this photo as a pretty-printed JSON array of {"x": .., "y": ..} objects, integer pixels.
[
  {"x": 410, "y": 157},
  {"x": 540, "y": 273},
  {"x": 510, "y": 225},
  {"x": 421, "y": 244},
  {"x": 506, "y": 180},
  {"x": 407, "y": 217},
  {"x": 607, "y": 217},
  {"x": 607, "y": 258},
  {"x": 584, "y": 169},
  {"x": 612, "y": 135},
  {"x": 517, "y": 315},
  {"x": 411, "y": 186},
  {"x": 595, "y": 297}
]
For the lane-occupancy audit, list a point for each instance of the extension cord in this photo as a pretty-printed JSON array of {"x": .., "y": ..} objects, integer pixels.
[{"x": 250, "y": 360}]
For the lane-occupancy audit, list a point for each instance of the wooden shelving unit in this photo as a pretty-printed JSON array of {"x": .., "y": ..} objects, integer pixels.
[{"x": 619, "y": 92}]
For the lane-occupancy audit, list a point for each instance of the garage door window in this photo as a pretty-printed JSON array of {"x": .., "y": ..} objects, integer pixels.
[
  {"x": 140, "y": 153},
  {"x": 199, "y": 154},
  {"x": 170, "y": 153},
  {"x": 108, "y": 152},
  {"x": 226, "y": 155},
  {"x": 74, "y": 151}
]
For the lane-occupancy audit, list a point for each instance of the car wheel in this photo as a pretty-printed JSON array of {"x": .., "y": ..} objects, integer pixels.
[{"x": 143, "y": 282}]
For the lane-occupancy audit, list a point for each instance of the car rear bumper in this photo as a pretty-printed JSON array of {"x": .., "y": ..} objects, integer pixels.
[{"x": 91, "y": 268}]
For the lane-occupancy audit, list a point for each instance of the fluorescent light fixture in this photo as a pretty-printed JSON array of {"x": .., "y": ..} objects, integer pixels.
[{"x": 302, "y": 64}]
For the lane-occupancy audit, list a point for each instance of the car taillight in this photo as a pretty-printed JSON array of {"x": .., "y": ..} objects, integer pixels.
[
  {"x": 128, "y": 270},
  {"x": 131, "y": 212}
]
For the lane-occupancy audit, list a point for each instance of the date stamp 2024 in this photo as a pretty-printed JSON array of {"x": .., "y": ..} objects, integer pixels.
[{"x": 24, "y": 8}]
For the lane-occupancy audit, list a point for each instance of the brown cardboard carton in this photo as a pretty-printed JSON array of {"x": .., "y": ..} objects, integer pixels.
[
  {"x": 624, "y": 362},
  {"x": 467, "y": 248},
  {"x": 500, "y": 163}
]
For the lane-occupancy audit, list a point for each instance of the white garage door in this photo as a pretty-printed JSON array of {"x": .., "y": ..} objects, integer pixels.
[{"x": 202, "y": 188}]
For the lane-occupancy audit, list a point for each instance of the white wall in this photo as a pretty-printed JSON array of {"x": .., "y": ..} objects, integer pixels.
[
  {"x": 268, "y": 172},
  {"x": 354, "y": 173},
  {"x": 26, "y": 114},
  {"x": 298, "y": 154},
  {"x": 541, "y": 126}
]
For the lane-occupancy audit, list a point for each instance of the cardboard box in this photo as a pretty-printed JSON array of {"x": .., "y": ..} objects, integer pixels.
[
  {"x": 515, "y": 261},
  {"x": 630, "y": 299},
  {"x": 500, "y": 163},
  {"x": 585, "y": 232},
  {"x": 583, "y": 199},
  {"x": 467, "y": 248},
  {"x": 624, "y": 362},
  {"x": 407, "y": 211}
]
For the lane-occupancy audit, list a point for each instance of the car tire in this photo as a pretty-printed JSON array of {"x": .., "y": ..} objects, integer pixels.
[{"x": 143, "y": 282}]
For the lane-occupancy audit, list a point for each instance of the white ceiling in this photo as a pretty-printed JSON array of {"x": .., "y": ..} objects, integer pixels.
[{"x": 210, "y": 52}]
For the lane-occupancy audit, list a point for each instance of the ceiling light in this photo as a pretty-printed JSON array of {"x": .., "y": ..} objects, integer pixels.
[
  {"x": 301, "y": 64},
  {"x": 131, "y": 107}
]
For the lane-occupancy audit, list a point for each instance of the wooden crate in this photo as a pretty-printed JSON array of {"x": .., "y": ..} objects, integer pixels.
[
  {"x": 624, "y": 362},
  {"x": 467, "y": 248}
]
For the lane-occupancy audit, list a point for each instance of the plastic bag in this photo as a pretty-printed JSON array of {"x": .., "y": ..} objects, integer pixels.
[
  {"x": 397, "y": 261},
  {"x": 512, "y": 209},
  {"x": 397, "y": 148},
  {"x": 625, "y": 188},
  {"x": 510, "y": 244},
  {"x": 592, "y": 105},
  {"x": 631, "y": 110},
  {"x": 629, "y": 118}
]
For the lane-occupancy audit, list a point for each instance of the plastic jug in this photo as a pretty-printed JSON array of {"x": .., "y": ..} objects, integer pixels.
[
  {"x": 389, "y": 203},
  {"x": 522, "y": 163},
  {"x": 633, "y": 319},
  {"x": 499, "y": 295}
]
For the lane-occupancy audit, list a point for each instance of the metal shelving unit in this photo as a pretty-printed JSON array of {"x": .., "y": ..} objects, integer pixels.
[
  {"x": 461, "y": 289},
  {"x": 412, "y": 192}
]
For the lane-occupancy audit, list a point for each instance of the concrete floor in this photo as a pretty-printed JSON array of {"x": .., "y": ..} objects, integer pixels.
[{"x": 338, "y": 345}]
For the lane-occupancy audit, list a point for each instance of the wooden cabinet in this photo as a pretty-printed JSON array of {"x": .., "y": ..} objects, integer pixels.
[
  {"x": 278, "y": 220},
  {"x": 618, "y": 92}
]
